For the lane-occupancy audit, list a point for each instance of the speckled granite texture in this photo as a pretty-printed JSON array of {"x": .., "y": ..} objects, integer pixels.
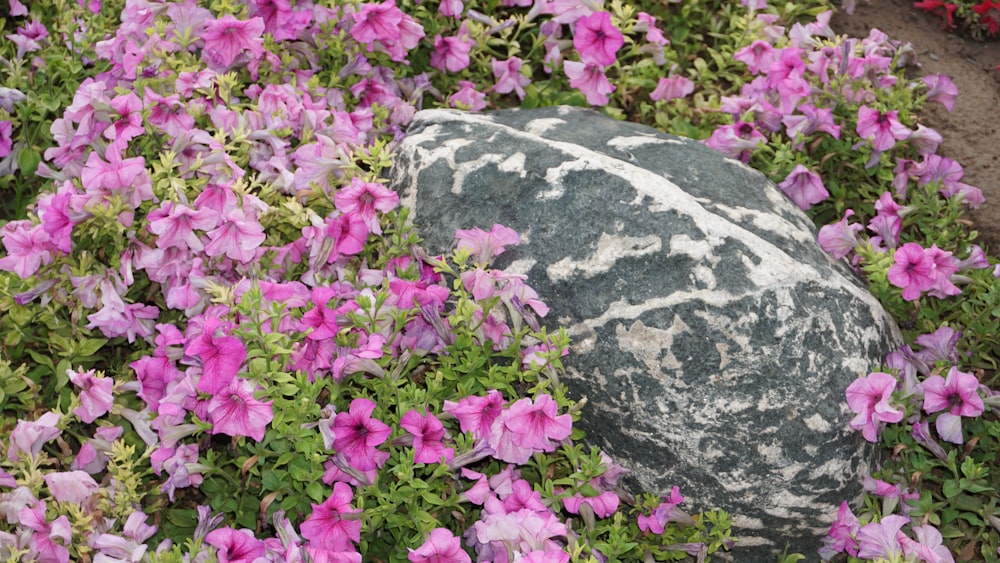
[{"x": 712, "y": 336}]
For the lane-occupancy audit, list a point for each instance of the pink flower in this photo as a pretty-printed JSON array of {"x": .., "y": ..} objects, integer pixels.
[
  {"x": 129, "y": 123},
  {"x": 28, "y": 436},
  {"x": 672, "y": 87},
  {"x": 365, "y": 199},
  {"x": 476, "y": 414},
  {"x": 377, "y": 22},
  {"x": 358, "y": 434},
  {"x": 333, "y": 525},
  {"x": 237, "y": 236},
  {"x": 441, "y": 546},
  {"x": 666, "y": 512},
  {"x": 526, "y": 427},
  {"x": 235, "y": 411},
  {"x": 736, "y": 141},
  {"x": 880, "y": 540},
  {"x": 509, "y": 78},
  {"x": 941, "y": 89},
  {"x": 95, "y": 394},
  {"x": 959, "y": 395},
  {"x": 912, "y": 270},
  {"x": 467, "y": 97},
  {"x": 840, "y": 538},
  {"x": 589, "y": 78},
  {"x": 882, "y": 129},
  {"x": 484, "y": 246},
  {"x": 869, "y": 398},
  {"x": 840, "y": 238},
  {"x": 603, "y": 505},
  {"x": 41, "y": 541},
  {"x": 6, "y": 143},
  {"x": 758, "y": 56},
  {"x": 221, "y": 357},
  {"x": 71, "y": 486},
  {"x": 28, "y": 247},
  {"x": 597, "y": 39},
  {"x": 236, "y": 546},
  {"x": 227, "y": 38},
  {"x": 451, "y": 53},
  {"x": 428, "y": 436},
  {"x": 928, "y": 545},
  {"x": 804, "y": 187},
  {"x": 175, "y": 224},
  {"x": 125, "y": 175}
]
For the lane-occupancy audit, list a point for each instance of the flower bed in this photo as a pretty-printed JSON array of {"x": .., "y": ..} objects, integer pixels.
[{"x": 221, "y": 339}]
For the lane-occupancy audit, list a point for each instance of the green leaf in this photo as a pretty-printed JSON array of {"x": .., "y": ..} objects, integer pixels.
[
  {"x": 28, "y": 161},
  {"x": 951, "y": 489}
]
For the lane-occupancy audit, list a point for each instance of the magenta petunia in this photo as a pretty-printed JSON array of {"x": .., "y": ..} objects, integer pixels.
[
  {"x": 221, "y": 357},
  {"x": 476, "y": 414},
  {"x": 597, "y": 39},
  {"x": 451, "y": 54},
  {"x": 840, "y": 238},
  {"x": 804, "y": 187},
  {"x": 428, "y": 437},
  {"x": 236, "y": 412},
  {"x": 377, "y": 22},
  {"x": 869, "y": 398},
  {"x": 509, "y": 78},
  {"x": 358, "y": 434},
  {"x": 334, "y": 525},
  {"x": 236, "y": 546},
  {"x": 227, "y": 38},
  {"x": 366, "y": 199},
  {"x": 882, "y": 129},
  {"x": 589, "y": 78},
  {"x": 912, "y": 270}
]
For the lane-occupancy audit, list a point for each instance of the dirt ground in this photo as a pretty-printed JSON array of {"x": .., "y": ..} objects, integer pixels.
[{"x": 971, "y": 132}]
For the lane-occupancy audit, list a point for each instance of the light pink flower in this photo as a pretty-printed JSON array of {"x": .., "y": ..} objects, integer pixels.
[
  {"x": 476, "y": 414},
  {"x": 880, "y": 539},
  {"x": 235, "y": 411},
  {"x": 29, "y": 436},
  {"x": 428, "y": 437},
  {"x": 484, "y": 246},
  {"x": 869, "y": 398},
  {"x": 882, "y": 129},
  {"x": 941, "y": 89},
  {"x": 959, "y": 395},
  {"x": 451, "y": 53},
  {"x": 237, "y": 236},
  {"x": 441, "y": 546},
  {"x": 672, "y": 87},
  {"x": 509, "y": 78},
  {"x": 71, "y": 486},
  {"x": 377, "y": 22},
  {"x": 95, "y": 394},
  {"x": 840, "y": 538},
  {"x": 589, "y": 78},
  {"x": 737, "y": 140},
  {"x": 467, "y": 97},
  {"x": 840, "y": 238}
]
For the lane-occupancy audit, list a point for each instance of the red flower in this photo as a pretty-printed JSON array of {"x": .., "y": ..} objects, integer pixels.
[
  {"x": 939, "y": 8},
  {"x": 989, "y": 14}
]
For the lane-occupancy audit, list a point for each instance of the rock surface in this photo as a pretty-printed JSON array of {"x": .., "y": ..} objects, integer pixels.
[{"x": 712, "y": 336}]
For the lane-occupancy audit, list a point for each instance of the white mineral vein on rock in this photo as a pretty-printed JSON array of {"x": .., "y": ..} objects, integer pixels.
[{"x": 610, "y": 248}]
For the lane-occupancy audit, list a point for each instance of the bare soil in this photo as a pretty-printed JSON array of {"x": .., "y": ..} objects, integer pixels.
[{"x": 971, "y": 132}]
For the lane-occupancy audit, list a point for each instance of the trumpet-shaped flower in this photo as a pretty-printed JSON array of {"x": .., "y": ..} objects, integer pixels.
[
  {"x": 29, "y": 436},
  {"x": 237, "y": 236},
  {"x": 451, "y": 53},
  {"x": 377, "y": 22},
  {"x": 869, "y": 398},
  {"x": 227, "y": 38},
  {"x": 882, "y": 129},
  {"x": 840, "y": 538},
  {"x": 958, "y": 395},
  {"x": 912, "y": 270},
  {"x": 880, "y": 539},
  {"x": 672, "y": 87},
  {"x": 95, "y": 394},
  {"x": 441, "y": 546},
  {"x": 235, "y": 411},
  {"x": 428, "y": 437},
  {"x": 804, "y": 187},
  {"x": 509, "y": 78},
  {"x": 221, "y": 357},
  {"x": 366, "y": 199},
  {"x": 476, "y": 414},
  {"x": 737, "y": 140},
  {"x": 333, "y": 525},
  {"x": 597, "y": 39},
  {"x": 589, "y": 78},
  {"x": 71, "y": 486},
  {"x": 358, "y": 435},
  {"x": 840, "y": 238},
  {"x": 236, "y": 546}
]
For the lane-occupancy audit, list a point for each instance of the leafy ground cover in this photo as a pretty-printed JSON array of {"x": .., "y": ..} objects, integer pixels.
[{"x": 221, "y": 341}]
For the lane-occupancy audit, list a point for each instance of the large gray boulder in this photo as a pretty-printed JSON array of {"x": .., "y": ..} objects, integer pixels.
[{"x": 712, "y": 336}]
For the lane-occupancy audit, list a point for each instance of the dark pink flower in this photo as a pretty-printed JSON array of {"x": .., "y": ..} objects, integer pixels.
[
  {"x": 666, "y": 512},
  {"x": 451, "y": 54},
  {"x": 441, "y": 546},
  {"x": 377, "y": 22},
  {"x": 235, "y": 411},
  {"x": 597, "y": 39},
  {"x": 589, "y": 78},
  {"x": 804, "y": 187},
  {"x": 912, "y": 270},
  {"x": 869, "y": 398},
  {"x": 758, "y": 56},
  {"x": 428, "y": 437},
  {"x": 476, "y": 414},
  {"x": 333, "y": 525},
  {"x": 358, "y": 434},
  {"x": 221, "y": 357},
  {"x": 840, "y": 538},
  {"x": 28, "y": 247},
  {"x": 603, "y": 505},
  {"x": 227, "y": 38},
  {"x": 236, "y": 546},
  {"x": 6, "y": 143},
  {"x": 366, "y": 199},
  {"x": 526, "y": 426},
  {"x": 129, "y": 122},
  {"x": 41, "y": 541}
]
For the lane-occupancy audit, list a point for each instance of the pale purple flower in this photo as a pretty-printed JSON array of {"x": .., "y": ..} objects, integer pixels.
[
  {"x": 28, "y": 436},
  {"x": 840, "y": 238},
  {"x": 95, "y": 394},
  {"x": 758, "y": 56},
  {"x": 869, "y": 398},
  {"x": 667, "y": 511},
  {"x": 941, "y": 89},
  {"x": 484, "y": 246},
  {"x": 928, "y": 546},
  {"x": 71, "y": 486},
  {"x": 880, "y": 539},
  {"x": 804, "y": 187}
]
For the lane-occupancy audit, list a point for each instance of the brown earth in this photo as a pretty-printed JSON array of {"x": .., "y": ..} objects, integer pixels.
[{"x": 971, "y": 132}]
